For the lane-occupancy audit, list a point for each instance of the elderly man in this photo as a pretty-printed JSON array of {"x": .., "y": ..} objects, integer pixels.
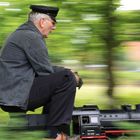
[{"x": 27, "y": 78}]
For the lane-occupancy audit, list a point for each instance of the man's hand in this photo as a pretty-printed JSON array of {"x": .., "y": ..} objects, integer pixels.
[{"x": 78, "y": 80}]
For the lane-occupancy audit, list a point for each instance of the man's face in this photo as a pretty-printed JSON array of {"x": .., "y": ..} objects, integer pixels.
[{"x": 47, "y": 26}]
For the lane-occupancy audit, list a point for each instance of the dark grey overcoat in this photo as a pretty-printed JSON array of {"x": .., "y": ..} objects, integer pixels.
[{"x": 23, "y": 56}]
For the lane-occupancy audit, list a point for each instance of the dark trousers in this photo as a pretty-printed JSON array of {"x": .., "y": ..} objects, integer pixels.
[{"x": 56, "y": 93}]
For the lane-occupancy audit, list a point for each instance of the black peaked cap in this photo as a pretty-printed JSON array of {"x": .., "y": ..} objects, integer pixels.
[{"x": 51, "y": 11}]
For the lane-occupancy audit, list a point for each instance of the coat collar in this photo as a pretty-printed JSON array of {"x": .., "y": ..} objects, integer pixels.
[{"x": 29, "y": 25}]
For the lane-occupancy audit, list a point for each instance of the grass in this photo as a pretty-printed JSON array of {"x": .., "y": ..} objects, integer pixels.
[{"x": 96, "y": 94}]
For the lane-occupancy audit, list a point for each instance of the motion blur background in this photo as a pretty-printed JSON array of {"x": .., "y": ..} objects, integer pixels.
[{"x": 98, "y": 38}]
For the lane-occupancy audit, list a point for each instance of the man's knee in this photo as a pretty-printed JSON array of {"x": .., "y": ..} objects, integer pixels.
[{"x": 71, "y": 77}]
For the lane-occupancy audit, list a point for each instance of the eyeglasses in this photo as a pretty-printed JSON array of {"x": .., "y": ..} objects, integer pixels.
[{"x": 52, "y": 22}]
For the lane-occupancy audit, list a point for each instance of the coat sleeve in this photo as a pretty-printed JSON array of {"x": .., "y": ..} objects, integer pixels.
[
  {"x": 37, "y": 55},
  {"x": 58, "y": 68}
]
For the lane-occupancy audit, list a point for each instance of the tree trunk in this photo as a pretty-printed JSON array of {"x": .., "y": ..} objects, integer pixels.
[{"x": 109, "y": 38}]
